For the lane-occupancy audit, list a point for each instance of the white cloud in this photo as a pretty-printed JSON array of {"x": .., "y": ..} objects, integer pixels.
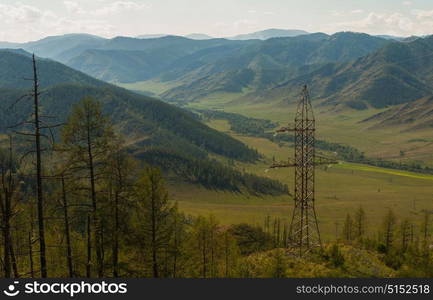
[
  {"x": 20, "y": 13},
  {"x": 357, "y": 11},
  {"x": 252, "y": 11},
  {"x": 121, "y": 6},
  {"x": 407, "y": 3},
  {"x": 107, "y": 9},
  {"x": 423, "y": 14},
  {"x": 336, "y": 13},
  {"x": 73, "y": 7},
  {"x": 20, "y": 22},
  {"x": 236, "y": 27},
  {"x": 387, "y": 23}
]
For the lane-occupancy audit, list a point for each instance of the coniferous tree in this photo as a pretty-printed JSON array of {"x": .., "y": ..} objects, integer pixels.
[
  {"x": 360, "y": 223},
  {"x": 405, "y": 233},
  {"x": 87, "y": 138},
  {"x": 121, "y": 172},
  {"x": 348, "y": 228},
  {"x": 154, "y": 215},
  {"x": 389, "y": 228}
]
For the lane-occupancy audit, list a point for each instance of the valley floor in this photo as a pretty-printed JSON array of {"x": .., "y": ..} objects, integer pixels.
[{"x": 340, "y": 189}]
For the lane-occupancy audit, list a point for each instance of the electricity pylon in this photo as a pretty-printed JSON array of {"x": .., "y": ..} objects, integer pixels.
[{"x": 304, "y": 226}]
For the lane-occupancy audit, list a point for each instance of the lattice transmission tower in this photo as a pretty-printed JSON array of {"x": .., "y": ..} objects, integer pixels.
[{"x": 304, "y": 226}]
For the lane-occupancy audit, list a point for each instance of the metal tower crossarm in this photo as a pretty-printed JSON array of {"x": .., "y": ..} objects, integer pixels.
[{"x": 304, "y": 227}]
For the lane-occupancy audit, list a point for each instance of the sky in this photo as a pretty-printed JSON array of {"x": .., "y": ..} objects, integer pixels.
[{"x": 28, "y": 20}]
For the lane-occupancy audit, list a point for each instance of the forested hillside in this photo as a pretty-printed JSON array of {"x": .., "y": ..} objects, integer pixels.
[
  {"x": 394, "y": 74},
  {"x": 146, "y": 122}
]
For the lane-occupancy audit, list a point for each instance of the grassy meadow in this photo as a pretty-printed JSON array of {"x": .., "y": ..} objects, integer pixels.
[
  {"x": 340, "y": 189},
  {"x": 344, "y": 126}
]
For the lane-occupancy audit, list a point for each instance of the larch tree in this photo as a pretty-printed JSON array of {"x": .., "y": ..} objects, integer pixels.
[
  {"x": 121, "y": 170},
  {"x": 360, "y": 223},
  {"x": 348, "y": 228},
  {"x": 153, "y": 217},
  {"x": 389, "y": 229},
  {"x": 87, "y": 137}
]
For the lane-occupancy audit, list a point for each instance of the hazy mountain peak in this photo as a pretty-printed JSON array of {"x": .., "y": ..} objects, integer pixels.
[
  {"x": 198, "y": 36},
  {"x": 151, "y": 36},
  {"x": 269, "y": 33}
]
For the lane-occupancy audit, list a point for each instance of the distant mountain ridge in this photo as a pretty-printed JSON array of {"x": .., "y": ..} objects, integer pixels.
[
  {"x": 394, "y": 74},
  {"x": 345, "y": 69},
  {"x": 146, "y": 121},
  {"x": 64, "y": 47},
  {"x": 269, "y": 33},
  {"x": 265, "y": 65},
  {"x": 413, "y": 115},
  {"x": 185, "y": 60}
]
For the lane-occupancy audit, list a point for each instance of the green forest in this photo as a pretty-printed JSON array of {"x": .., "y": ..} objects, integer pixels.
[
  {"x": 89, "y": 174},
  {"x": 106, "y": 213}
]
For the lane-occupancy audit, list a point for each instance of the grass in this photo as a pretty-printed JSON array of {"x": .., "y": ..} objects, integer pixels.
[
  {"x": 367, "y": 168},
  {"x": 340, "y": 189},
  {"x": 344, "y": 127},
  {"x": 154, "y": 87}
]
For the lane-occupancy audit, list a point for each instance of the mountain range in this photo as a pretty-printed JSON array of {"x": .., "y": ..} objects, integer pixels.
[
  {"x": 260, "y": 35},
  {"x": 269, "y": 33},
  {"x": 146, "y": 121},
  {"x": 346, "y": 69},
  {"x": 394, "y": 74},
  {"x": 187, "y": 61},
  {"x": 155, "y": 132}
]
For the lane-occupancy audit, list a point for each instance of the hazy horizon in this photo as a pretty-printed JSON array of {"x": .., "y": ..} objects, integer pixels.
[{"x": 29, "y": 20}]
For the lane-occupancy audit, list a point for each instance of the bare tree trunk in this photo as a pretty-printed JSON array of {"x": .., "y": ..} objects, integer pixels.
[
  {"x": 212, "y": 254},
  {"x": 116, "y": 236},
  {"x": 6, "y": 236},
  {"x": 89, "y": 248},
  {"x": 175, "y": 246},
  {"x": 6, "y": 207},
  {"x": 154, "y": 248},
  {"x": 13, "y": 260},
  {"x": 204, "y": 254},
  {"x": 94, "y": 204},
  {"x": 226, "y": 252},
  {"x": 32, "y": 222},
  {"x": 42, "y": 250},
  {"x": 32, "y": 272},
  {"x": 67, "y": 232}
]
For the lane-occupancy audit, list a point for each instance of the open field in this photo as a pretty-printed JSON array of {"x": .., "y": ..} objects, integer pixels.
[
  {"x": 340, "y": 189},
  {"x": 344, "y": 127},
  {"x": 148, "y": 86}
]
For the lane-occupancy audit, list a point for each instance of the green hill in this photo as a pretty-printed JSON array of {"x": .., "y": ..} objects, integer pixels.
[
  {"x": 129, "y": 60},
  {"x": 266, "y": 64},
  {"x": 412, "y": 115},
  {"x": 63, "y": 86},
  {"x": 395, "y": 74},
  {"x": 147, "y": 123}
]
